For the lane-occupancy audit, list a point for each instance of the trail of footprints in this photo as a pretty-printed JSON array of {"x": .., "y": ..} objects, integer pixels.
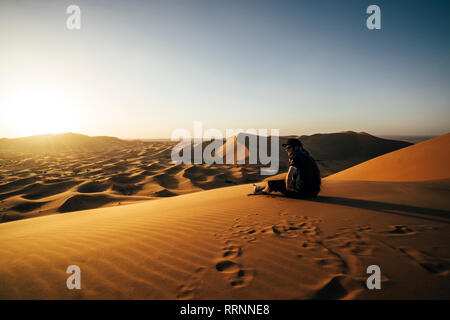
[
  {"x": 331, "y": 253},
  {"x": 336, "y": 253},
  {"x": 249, "y": 231},
  {"x": 238, "y": 276},
  {"x": 352, "y": 240}
]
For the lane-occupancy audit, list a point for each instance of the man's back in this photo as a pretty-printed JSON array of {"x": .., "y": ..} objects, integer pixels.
[{"x": 307, "y": 179}]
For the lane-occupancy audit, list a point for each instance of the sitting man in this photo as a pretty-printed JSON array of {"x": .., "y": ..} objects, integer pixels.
[{"x": 303, "y": 177}]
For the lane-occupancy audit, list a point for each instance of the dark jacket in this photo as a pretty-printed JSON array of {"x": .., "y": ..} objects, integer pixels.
[{"x": 307, "y": 177}]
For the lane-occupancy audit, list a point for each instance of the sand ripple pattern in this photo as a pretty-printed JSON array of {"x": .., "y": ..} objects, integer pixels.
[{"x": 222, "y": 244}]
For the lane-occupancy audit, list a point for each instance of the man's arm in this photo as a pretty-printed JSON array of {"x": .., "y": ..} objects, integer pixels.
[{"x": 290, "y": 177}]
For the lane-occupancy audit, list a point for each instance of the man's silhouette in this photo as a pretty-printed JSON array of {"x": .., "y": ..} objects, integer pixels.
[{"x": 303, "y": 177}]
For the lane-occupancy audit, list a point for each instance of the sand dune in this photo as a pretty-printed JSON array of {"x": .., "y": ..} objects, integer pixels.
[
  {"x": 224, "y": 244},
  {"x": 72, "y": 142},
  {"x": 86, "y": 201},
  {"x": 60, "y": 173},
  {"x": 428, "y": 160}
]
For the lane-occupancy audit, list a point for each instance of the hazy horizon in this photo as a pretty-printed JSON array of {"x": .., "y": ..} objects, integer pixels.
[
  {"x": 141, "y": 69},
  {"x": 400, "y": 137}
]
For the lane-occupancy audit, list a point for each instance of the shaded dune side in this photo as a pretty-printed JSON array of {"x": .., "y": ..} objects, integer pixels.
[
  {"x": 166, "y": 180},
  {"x": 93, "y": 186},
  {"x": 84, "y": 202},
  {"x": 10, "y": 186},
  {"x": 77, "y": 202},
  {"x": 26, "y": 206},
  {"x": 38, "y": 190},
  {"x": 349, "y": 145},
  {"x": 165, "y": 193}
]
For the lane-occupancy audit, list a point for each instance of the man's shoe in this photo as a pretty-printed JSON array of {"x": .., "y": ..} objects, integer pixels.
[{"x": 258, "y": 189}]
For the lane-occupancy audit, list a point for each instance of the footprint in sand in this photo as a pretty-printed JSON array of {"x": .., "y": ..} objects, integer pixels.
[
  {"x": 243, "y": 278},
  {"x": 294, "y": 229},
  {"x": 227, "y": 266},
  {"x": 323, "y": 256},
  {"x": 339, "y": 287},
  {"x": 359, "y": 229},
  {"x": 244, "y": 231},
  {"x": 403, "y": 230},
  {"x": 237, "y": 276},
  {"x": 400, "y": 230},
  {"x": 426, "y": 261},
  {"x": 331, "y": 262},
  {"x": 352, "y": 240},
  {"x": 338, "y": 252},
  {"x": 231, "y": 251},
  {"x": 298, "y": 226},
  {"x": 187, "y": 290}
]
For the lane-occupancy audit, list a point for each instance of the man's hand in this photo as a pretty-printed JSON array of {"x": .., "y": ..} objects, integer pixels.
[{"x": 290, "y": 177}]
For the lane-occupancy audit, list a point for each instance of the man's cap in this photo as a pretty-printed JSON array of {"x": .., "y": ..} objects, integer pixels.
[{"x": 292, "y": 142}]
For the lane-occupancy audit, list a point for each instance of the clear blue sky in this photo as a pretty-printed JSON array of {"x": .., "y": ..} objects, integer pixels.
[{"x": 144, "y": 68}]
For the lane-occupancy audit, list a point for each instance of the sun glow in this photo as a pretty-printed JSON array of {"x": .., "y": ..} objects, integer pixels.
[{"x": 38, "y": 110}]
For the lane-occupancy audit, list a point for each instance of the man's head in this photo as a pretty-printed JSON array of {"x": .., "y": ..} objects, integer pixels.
[{"x": 292, "y": 145}]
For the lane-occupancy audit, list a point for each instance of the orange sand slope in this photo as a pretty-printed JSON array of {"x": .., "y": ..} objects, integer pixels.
[
  {"x": 223, "y": 244},
  {"x": 428, "y": 160}
]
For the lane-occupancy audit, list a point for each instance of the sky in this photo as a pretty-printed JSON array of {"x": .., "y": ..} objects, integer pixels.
[{"x": 141, "y": 69}]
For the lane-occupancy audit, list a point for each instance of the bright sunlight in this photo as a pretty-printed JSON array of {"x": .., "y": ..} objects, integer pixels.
[{"x": 37, "y": 110}]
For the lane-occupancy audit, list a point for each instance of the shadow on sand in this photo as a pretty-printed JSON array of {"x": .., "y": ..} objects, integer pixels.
[
  {"x": 385, "y": 207},
  {"x": 392, "y": 208}
]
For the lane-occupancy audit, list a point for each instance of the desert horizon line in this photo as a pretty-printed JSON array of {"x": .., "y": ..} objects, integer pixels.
[{"x": 382, "y": 135}]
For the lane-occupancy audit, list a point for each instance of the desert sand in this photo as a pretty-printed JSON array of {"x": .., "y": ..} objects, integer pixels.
[
  {"x": 224, "y": 244},
  {"x": 52, "y": 174}
]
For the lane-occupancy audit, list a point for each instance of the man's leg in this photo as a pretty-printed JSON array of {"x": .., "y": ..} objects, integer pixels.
[
  {"x": 276, "y": 186},
  {"x": 280, "y": 186}
]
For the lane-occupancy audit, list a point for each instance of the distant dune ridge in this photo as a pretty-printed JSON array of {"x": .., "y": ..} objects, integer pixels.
[
  {"x": 412, "y": 139},
  {"x": 223, "y": 244},
  {"x": 338, "y": 151},
  {"x": 65, "y": 142},
  {"x": 333, "y": 151},
  {"x": 58, "y": 173}
]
